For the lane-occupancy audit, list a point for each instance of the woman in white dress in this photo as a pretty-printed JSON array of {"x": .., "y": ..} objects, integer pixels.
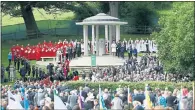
[
  {"x": 141, "y": 45},
  {"x": 150, "y": 46},
  {"x": 144, "y": 45},
  {"x": 137, "y": 45},
  {"x": 113, "y": 46},
  {"x": 82, "y": 48}
]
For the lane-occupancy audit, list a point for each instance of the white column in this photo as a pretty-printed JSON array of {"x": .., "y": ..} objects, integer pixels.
[
  {"x": 93, "y": 37},
  {"x": 85, "y": 34},
  {"x": 117, "y": 33},
  {"x": 106, "y": 35},
  {"x": 97, "y": 40},
  {"x": 110, "y": 38}
]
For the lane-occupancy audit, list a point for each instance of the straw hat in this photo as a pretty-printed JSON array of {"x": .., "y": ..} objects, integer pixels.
[{"x": 106, "y": 90}]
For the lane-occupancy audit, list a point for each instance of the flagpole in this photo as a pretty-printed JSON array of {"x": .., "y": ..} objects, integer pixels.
[
  {"x": 99, "y": 96},
  {"x": 193, "y": 96},
  {"x": 128, "y": 97}
]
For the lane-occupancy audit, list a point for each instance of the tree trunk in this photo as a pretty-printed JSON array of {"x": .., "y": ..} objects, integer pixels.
[
  {"x": 29, "y": 20},
  {"x": 112, "y": 29}
]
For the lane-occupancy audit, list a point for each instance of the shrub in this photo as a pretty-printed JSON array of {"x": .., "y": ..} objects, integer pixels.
[{"x": 132, "y": 85}]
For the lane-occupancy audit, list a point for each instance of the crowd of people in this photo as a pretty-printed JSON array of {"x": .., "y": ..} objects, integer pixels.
[
  {"x": 71, "y": 49},
  {"x": 39, "y": 84},
  {"x": 58, "y": 95}
]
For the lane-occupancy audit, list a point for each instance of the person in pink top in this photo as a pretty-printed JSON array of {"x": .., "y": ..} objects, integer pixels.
[
  {"x": 65, "y": 71},
  {"x": 184, "y": 92}
]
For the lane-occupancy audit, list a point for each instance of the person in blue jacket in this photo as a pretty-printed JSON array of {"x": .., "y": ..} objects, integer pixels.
[
  {"x": 10, "y": 57},
  {"x": 135, "y": 52}
]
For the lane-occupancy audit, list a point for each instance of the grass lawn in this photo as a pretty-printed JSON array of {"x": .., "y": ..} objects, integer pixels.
[
  {"x": 44, "y": 21},
  {"x": 39, "y": 15}
]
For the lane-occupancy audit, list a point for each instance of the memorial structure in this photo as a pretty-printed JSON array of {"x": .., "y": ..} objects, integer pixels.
[
  {"x": 95, "y": 22},
  {"x": 101, "y": 60}
]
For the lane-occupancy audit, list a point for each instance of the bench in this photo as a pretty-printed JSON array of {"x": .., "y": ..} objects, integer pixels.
[{"x": 54, "y": 58}]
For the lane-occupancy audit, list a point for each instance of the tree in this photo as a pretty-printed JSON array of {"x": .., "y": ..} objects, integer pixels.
[
  {"x": 24, "y": 9},
  {"x": 175, "y": 41}
]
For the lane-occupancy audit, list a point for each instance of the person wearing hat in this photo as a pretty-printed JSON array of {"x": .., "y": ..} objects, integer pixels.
[
  {"x": 137, "y": 105},
  {"x": 72, "y": 99},
  {"x": 89, "y": 104},
  {"x": 40, "y": 95},
  {"x": 117, "y": 103},
  {"x": 47, "y": 101}
]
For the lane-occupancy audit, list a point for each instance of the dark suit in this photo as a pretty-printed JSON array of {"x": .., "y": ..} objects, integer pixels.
[
  {"x": 139, "y": 97},
  {"x": 23, "y": 73},
  {"x": 78, "y": 50},
  {"x": 118, "y": 49},
  {"x": 122, "y": 51},
  {"x": 18, "y": 63},
  {"x": 170, "y": 101}
]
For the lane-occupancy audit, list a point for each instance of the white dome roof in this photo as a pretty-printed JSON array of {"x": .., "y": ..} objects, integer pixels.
[{"x": 101, "y": 17}]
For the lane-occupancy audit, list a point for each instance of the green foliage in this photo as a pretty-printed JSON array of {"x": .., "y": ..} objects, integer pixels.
[
  {"x": 138, "y": 13},
  {"x": 176, "y": 39},
  {"x": 132, "y": 85}
]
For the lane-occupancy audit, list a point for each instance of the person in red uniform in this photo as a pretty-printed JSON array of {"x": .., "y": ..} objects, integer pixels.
[
  {"x": 75, "y": 78},
  {"x": 26, "y": 52},
  {"x": 39, "y": 44},
  {"x": 38, "y": 53},
  {"x": 44, "y": 42},
  {"x": 21, "y": 51},
  {"x": 46, "y": 52},
  {"x": 60, "y": 44},
  {"x": 29, "y": 54},
  {"x": 67, "y": 62},
  {"x": 50, "y": 44},
  {"x": 28, "y": 46},
  {"x": 43, "y": 52},
  {"x": 33, "y": 54},
  {"x": 64, "y": 52}
]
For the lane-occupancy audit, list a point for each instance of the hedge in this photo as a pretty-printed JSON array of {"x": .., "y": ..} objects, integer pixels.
[{"x": 132, "y": 85}]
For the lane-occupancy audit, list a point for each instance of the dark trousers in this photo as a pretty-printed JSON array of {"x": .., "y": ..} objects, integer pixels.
[
  {"x": 29, "y": 72},
  {"x": 15, "y": 63},
  {"x": 10, "y": 60},
  {"x": 74, "y": 54},
  {"x": 78, "y": 54},
  {"x": 122, "y": 54},
  {"x": 135, "y": 55},
  {"x": 33, "y": 72},
  {"x": 23, "y": 78},
  {"x": 8, "y": 76},
  {"x": 18, "y": 65},
  {"x": 70, "y": 56},
  {"x": 118, "y": 53},
  {"x": 67, "y": 56},
  {"x": 129, "y": 55},
  {"x": 147, "y": 48}
]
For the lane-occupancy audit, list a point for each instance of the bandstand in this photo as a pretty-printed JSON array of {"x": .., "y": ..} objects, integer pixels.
[{"x": 95, "y": 22}]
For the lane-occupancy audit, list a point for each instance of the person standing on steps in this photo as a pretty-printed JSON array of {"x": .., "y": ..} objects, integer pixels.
[
  {"x": 118, "y": 49},
  {"x": 122, "y": 50},
  {"x": 113, "y": 46}
]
